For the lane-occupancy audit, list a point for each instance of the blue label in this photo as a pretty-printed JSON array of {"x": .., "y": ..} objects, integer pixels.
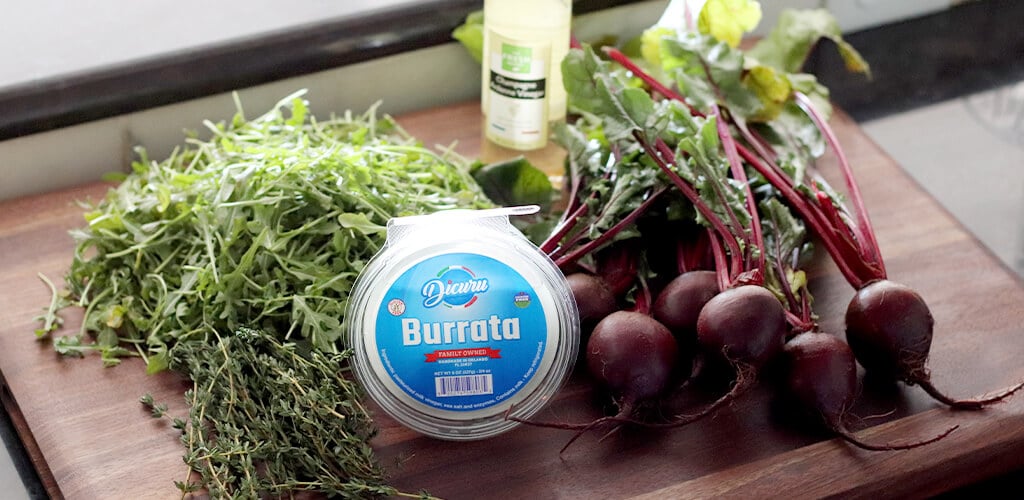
[{"x": 461, "y": 332}]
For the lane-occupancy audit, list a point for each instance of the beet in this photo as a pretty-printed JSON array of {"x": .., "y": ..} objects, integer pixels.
[
  {"x": 889, "y": 327},
  {"x": 680, "y": 302},
  {"x": 745, "y": 327},
  {"x": 745, "y": 324},
  {"x": 593, "y": 299},
  {"x": 821, "y": 375},
  {"x": 633, "y": 356}
]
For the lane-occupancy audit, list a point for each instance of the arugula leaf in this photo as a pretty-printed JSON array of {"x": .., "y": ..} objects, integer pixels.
[{"x": 265, "y": 223}]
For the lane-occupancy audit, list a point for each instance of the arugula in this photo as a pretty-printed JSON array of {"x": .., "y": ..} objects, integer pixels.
[
  {"x": 231, "y": 262},
  {"x": 267, "y": 224}
]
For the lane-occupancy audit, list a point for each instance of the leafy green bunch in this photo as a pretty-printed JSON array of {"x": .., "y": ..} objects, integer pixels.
[
  {"x": 755, "y": 86},
  {"x": 679, "y": 88},
  {"x": 265, "y": 224}
]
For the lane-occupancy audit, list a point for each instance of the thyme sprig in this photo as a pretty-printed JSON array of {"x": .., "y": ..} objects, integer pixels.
[{"x": 266, "y": 419}]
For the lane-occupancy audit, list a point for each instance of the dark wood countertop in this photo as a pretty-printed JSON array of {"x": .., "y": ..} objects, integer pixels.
[{"x": 89, "y": 437}]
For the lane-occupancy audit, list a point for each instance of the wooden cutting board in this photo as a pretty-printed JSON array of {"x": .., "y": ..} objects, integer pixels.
[{"x": 89, "y": 437}]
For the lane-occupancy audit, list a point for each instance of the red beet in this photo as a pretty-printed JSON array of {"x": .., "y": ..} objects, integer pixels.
[
  {"x": 821, "y": 374},
  {"x": 745, "y": 327},
  {"x": 679, "y": 304},
  {"x": 889, "y": 327},
  {"x": 593, "y": 298},
  {"x": 745, "y": 324},
  {"x": 633, "y": 356}
]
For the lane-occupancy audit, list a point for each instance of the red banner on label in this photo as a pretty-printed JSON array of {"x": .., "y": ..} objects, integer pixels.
[{"x": 463, "y": 353}]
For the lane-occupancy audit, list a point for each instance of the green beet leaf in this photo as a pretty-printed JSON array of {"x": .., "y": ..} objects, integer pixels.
[
  {"x": 515, "y": 182},
  {"x": 797, "y": 31},
  {"x": 729, "y": 20},
  {"x": 471, "y": 35}
]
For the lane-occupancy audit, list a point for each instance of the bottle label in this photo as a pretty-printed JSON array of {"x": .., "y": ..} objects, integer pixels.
[
  {"x": 461, "y": 332},
  {"x": 517, "y": 106}
]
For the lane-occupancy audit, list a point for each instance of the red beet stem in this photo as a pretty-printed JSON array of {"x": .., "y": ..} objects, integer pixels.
[
  {"x": 720, "y": 266},
  {"x": 607, "y": 236},
  {"x": 624, "y": 60},
  {"x": 729, "y": 144},
  {"x": 551, "y": 243},
  {"x": 866, "y": 233},
  {"x": 688, "y": 190},
  {"x": 849, "y": 259}
]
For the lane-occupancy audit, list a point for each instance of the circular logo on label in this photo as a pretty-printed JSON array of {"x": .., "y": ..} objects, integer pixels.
[
  {"x": 454, "y": 286},
  {"x": 396, "y": 307},
  {"x": 521, "y": 300}
]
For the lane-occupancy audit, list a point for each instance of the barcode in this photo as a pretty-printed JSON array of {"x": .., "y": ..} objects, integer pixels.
[{"x": 466, "y": 385}]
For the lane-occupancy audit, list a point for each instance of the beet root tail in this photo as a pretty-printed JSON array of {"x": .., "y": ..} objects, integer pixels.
[
  {"x": 966, "y": 404},
  {"x": 848, "y": 436},
  {"x": 746, "y": 376},
  {"x": 622, "y": 418}
]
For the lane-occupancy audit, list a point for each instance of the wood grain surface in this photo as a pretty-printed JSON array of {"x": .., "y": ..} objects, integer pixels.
[{"x": 90, "y": 438}]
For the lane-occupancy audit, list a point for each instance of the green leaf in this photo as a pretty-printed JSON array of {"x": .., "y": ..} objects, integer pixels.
[
  {"x": 783, "y": 230},
  {"x": 578, "y": 70},
  {"x": 69, "y": 345},
  {"x": 787, "y": 46},
  {"x": 729, "y": 20},
  {"x": 708, "y": 71},
  {"x": 515, "y": 182},
  {"x": 107, "y": 337},
  {"x": 299, "y": 111},
  {"x": 471, "y": 35},
  {"x": 115, "y": 316},
  {"x": 852, "y": 58},
  {"x": 157, "y": 362},
  {"x": 361, "y": 223},
  {"x": 650, "y": 44},
  {"x": 772, "y": 89},
  {"x": 114, "y": 176},
  {"x": 99, "y": 220}
]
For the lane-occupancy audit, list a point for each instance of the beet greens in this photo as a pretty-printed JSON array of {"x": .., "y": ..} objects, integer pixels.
[
  {"x": 700, "y": 133},
  {"x": 711, "y": 75}
]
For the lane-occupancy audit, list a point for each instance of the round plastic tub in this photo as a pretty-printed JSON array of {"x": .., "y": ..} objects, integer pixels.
[{"x": 459, "y": 322}]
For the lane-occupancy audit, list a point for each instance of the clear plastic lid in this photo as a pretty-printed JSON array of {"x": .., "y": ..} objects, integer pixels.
[{"x": 460, "y": 321}]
